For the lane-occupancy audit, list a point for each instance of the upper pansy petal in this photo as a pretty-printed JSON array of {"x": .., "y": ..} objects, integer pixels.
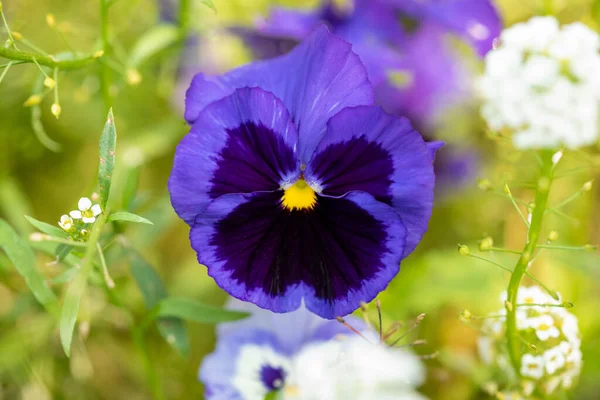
[
  {"x": 478, "y": 21},
  {"x": 342, "y": 252},
  {"x": 367, "y": 149},
  {"x": 243, "y": 143},
  {"x": 317, "y": 79}
]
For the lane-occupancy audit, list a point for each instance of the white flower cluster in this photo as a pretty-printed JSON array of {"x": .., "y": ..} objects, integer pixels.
[
  {"x": 353, "y": 368},
  {"x": 77, "y": 221},
  {"x": 555, "y": 358},
  {"x": 542, "y": 84}
]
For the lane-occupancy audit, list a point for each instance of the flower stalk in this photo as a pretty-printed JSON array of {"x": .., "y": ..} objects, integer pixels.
[
  {"x": 533, "y": 234},
  {"x": 49, "y": 61}
]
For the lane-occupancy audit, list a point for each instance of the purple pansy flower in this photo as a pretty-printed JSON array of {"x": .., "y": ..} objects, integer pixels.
[
  {"x": 295, "y": 187},
  {"x": 431, "y": 73},
  {"x": 257, "y": 355}
]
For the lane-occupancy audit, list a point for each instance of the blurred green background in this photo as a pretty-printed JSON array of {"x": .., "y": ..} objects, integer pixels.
[{"x": 105, "y": 363}]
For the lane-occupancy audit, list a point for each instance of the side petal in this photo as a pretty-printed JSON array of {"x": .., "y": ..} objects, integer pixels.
[
  {"x": 317, "y": 79},
  {"x": 478, "y": 21},
  {"x": 344, "y": 251},
  {"x": 243, "y": 143},
  {"x": 75, "y": 214},
  {"x": 367, "y": 149}
]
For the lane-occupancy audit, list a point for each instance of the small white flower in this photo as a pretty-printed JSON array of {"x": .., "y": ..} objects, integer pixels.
[
  {"x": 87, "y": 212},
  {"x": 554, "y": 359},
  {"x": 66, "y": 223},
  {"x": 544, "y": 327},
  {"x": 551, "y": 385},
  {"x": 532, "y": 366},
  {"x": 542, "y": 84}
]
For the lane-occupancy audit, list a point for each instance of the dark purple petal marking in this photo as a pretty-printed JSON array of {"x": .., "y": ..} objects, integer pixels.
[
  {"x": 317, "y": 79},
  {"x": 344, "y": 251},
  {"x": 367, "y": 149},
  {"x": 272, "y": 377},
  {"x": 243, "y": 143},
  {"x": 254, "y": 158}
]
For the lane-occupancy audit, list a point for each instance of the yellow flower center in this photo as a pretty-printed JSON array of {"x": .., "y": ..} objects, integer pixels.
[
  {"x": 87, "y": 213},
  {"x": 299, "y": 196},
  {"x": 543, "y": 327}
]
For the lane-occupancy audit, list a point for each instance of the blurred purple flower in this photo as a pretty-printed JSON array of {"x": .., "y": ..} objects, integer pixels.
[
  {"x": 256, "y": 355},
  {"x": 297, "y": 188}
]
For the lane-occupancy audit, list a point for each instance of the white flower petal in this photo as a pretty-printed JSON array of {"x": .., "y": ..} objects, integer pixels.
[
  {"x": 96, "y": 210},
  {"x": 84, "y": 204},
  {"x": 75, "y": 214},
  {"x": 90, "y": 220}
]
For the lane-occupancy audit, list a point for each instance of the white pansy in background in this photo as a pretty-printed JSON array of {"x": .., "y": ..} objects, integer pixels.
[
  {"x": 66, "y": 223},
  {"x": 300, "y": 356},
  {"x": 542, "y": 84},
  {"x": 87, "y": 212},
  {"x": 553, "y": 360}
]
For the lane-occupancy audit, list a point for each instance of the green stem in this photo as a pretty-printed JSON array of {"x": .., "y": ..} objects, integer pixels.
[
  {"x": 533, "y": 234},
  {"x": 548, "y": 7},
  {"x": 29, "y": 57},
  {"x": 105, "y": 75},
  {"x": 184, "y": 16}
]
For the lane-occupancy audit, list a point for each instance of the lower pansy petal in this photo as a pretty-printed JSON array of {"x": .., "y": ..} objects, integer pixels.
[
  {"x": 333, "y": 256},
  {"x": 367, "y": 149},
  {"x": 244, "y": 143},
  {"x": 244, "y": 366}
]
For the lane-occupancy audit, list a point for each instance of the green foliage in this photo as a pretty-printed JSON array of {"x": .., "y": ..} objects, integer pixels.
[
  {"x": 152, "y": 42},
  {"x": 127, "y": 216},
  {"x": 108, "y": 144},
  {"x": 209, "y": 4},
  {"x": 47, "y": 228},
  {"x": 21, "y": 255},
  {"x": 194, "y": 311}
]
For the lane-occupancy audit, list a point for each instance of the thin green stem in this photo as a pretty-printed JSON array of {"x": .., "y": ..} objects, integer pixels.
[
  {"x": 498, "y": 249},
  {"x": 32, "y": 46},
  {"x": 541, "y": 305},
  {"x": 514, "y": 203},
  {"x": 56, "y": 101},
  {"x": 5, "y": 71},
  {"x": 571, "y": 248},
  {"x": 109, "y": 282},
  {"x": 184, "y": 16},
  {"x": 12, "y": 40},
  {"x": 548, "y": 7},
  {"x": 49, "y": 61},
  {"x": 533, "y": 234},
  {"x": 567, "y": 200}
]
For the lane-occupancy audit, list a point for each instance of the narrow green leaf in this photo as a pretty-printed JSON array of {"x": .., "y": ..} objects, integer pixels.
[
  {"x": 153, "y": 291},
  {"x": 152, "y": 42},
  {"x": 62, "y": 251},
  {"x": 192, "y": 310},
  {"x": 76, "y": 289},
  {"x": 47, "y": 228},
  {"x": 65, "y": 276},
  {"x": 108, "y": 144},
  {"x": 209, "y": 4},
  {"x": 127, "y": 216},
  {"x": 23, "y": 258}
]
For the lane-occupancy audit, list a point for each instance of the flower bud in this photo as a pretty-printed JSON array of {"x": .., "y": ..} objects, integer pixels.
[
  {"x": 50, "y": 20},
  {"x": 133, "y": 77},
  {"x": 553, "y": 236},
  {"x": 486, "y": 244},
  {"x": 49, "y": 82},
  {"x": 16, "y": 35},
  {"x": 56, "y": 110},
  {"x": 587, "y": 186},
  {"x": 484, "y": 184},
  {"x": 466, "y": 314},
  {"x": 33, "y": 100},
  {"x": 463, "y": 250},
  {"x": 590, "y": 247},
  {"x": 507, "y": 190},
  {"x": 568, "y": 304}
]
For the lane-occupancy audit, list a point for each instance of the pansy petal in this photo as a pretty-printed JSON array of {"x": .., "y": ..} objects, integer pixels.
[
  {"x": 84, "y": 204},
  {"x": 76, "y": 214},
  {"x": 317, "y": 79},
  {"x": 96, "y": 210},
  {"x": 478, "y": 21},
  {"x": 232, "y": 371},
  {"x": 367, "y": 149},
  {"x": 342, "y": 252},
  {"x": 242, "y": 143},
  {"x": 292, "y": 330}
]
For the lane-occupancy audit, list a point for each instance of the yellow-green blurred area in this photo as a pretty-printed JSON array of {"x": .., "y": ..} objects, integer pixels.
[{"x": 105, "y": 363}]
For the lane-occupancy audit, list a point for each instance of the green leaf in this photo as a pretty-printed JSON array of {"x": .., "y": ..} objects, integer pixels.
[
  {"x": 209, "y": 4},
  {"x": 192, "y": 310},
  {"x": 153, "y": 291},
  {"x": 108, "y": 144},
  {"x": 62, "y": 251},
  {"x": 152, "y": 42},
  {"x": 272, "y": 395},
  {"x": 47, "y": 228},
  {"x": 70, "y": 310},
  {"x": 127, "y": 216},
  {"x": 23, "y": 258}
]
